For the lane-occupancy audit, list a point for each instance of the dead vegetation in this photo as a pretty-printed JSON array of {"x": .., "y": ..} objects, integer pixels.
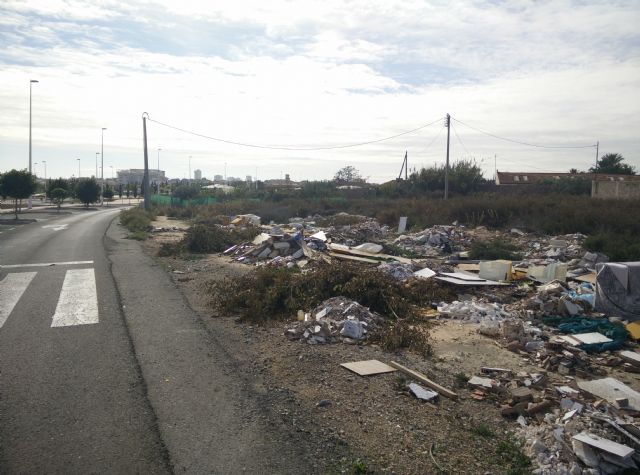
[{"x": 206, "y": 238}]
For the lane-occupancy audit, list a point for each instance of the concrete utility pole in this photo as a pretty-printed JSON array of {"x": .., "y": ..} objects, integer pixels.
[
  {"x": 97, "y": 153},
  {"x": 147, "y": 197},
  {"x": 102, "y": 168},
  {"x": 159, "y": 170},
  {"x": 446, "y": 170},
  {"x": 30, "y": 84},
  {"x": 595, "y": 179},
  {"x": 45, "y": 180},
  {"x": 79, "y": 168}
]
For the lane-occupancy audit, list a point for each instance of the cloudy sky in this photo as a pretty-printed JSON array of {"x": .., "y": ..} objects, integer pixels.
[{"x": 315, "y": 75}]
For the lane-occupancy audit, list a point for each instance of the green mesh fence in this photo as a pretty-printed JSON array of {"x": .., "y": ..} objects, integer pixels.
[{"x": 165, "y": 200}]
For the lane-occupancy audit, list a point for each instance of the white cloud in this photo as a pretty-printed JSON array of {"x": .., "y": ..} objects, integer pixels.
[{"x": 316, "y": 74}]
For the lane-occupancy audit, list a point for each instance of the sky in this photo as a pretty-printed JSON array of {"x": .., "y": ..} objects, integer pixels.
[{"x": 317, "y": 77}]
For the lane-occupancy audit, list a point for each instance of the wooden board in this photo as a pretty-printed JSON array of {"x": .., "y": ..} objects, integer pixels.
[
  {"x": 590, "y": 278},
  {"x": 369, "y": 367},
  {"x": 423, "y": 379}
]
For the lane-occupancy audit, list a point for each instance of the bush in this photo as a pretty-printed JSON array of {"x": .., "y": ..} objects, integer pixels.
[
  {"x": 277, "y": 293},
  {"x": 202, "y": 239},
  {"x": 136, "y": 219},
  {"x": 494, "y": 249},
  {"x": 618, "y": 247}
]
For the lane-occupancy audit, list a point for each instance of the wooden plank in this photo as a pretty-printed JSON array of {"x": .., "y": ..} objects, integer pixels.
[
  {"x": 590, "y": 278},
  {"x": 424, "y": 380},
  {"x": 369, "y": 367}
]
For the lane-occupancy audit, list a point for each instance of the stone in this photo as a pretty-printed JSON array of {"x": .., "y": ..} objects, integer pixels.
[
  {"x": 586, "y": 454},
  {"x": 323, "y": 403},
  {"x": 422, "y": 393},
  {"x": 352, "y": 329}
]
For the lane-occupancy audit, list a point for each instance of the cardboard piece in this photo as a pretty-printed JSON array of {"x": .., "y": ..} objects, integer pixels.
[
  {"x": 544, "y": 274},
  {"x": 495, "y": 270},
  {"x": 369, "y": 367},
  {"x": 634, "y": 329}
]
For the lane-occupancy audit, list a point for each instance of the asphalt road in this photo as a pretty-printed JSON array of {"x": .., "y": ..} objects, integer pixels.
[
  {"x": 104, "y": 367},
  {"x": 72, "y": 398}
]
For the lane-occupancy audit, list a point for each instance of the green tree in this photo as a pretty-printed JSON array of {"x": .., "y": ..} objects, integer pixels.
[
  {"x": 17, "y": 184},
  {"x": 88, "y": 191},
  {"x": 107, "y": 194},
  {"x": 348, "y": 174},
  {"x": 186, "y": 192},
  {"x": 58, "y": 195},
  {"x": 57, "y": 183},
  {"x": 465, "y": 177},
  {"x": 612, "y": 163}
]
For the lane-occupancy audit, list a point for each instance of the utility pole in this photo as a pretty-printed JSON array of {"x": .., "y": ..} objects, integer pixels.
[
  {"x": 31, "y": 82},
  {"x": 158, "y": 177},
  {"x": 595, "y": 180},
  {"x": 446, "y": 170},
  {"x": 147, "y": 198},
  {"x": 495, "y": 166},
  {"x": 102, "y": 168}
]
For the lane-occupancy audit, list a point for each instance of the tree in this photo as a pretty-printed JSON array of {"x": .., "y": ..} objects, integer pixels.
[
  {"x": 88, "y": 191},
  {"x": 58, "y": 195},
  {"x": 57, "y": 183},
  {"x": 348, "y": 174},
  {"x": 107, "y": 194},
  {"x": 465, "y": 176},
  {"x": 120, "y": 191},
  {"x": 17, "y": 185},
  {"x": 186, "y": 192},
  {"x": 612, "y": 163}
]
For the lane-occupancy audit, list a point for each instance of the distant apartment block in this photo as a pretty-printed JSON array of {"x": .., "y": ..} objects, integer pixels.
[
  {"x": 136, "y": 175},
  {"x": 197, "y": 175}
]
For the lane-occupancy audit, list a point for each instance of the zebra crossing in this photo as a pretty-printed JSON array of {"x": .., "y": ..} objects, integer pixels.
[{"x": 77, "y": 302}]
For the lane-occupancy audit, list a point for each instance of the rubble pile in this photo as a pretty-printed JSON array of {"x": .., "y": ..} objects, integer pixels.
[
  {"x": 398, "y": 270},
  {"x": 435, "y": 241},
  {"x": 277, "y": 246},
  {"x": 368, "y": 230},
  {"x": 473, "y": 310},
  {"x": 558, "y": 298},
  {"x": 336, "y": 319},
  {"x": 562, "y": 248}
]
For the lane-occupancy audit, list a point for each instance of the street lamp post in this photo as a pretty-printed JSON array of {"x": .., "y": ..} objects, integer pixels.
[
  {"x": 189, "y": 169},
  {"x": 97, "y": 153},
  {"x": 111, "y": 166},
  {"x": 102, "y": 168},
  {"x": 30, "y": 84},
  {"x": 78, "y": 167},
  {"x": 45, "y": 180}
]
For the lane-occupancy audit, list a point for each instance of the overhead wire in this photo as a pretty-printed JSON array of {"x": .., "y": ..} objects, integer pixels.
[
  {"x": 520, "y": 142},
  {"x": 270, "y": 147},
  {"x": 460, "y": 140}
]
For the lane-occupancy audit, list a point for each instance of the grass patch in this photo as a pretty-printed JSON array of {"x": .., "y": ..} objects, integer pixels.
[
  {"x": 494, "y": 249},
  {"x": 402, "y": 334},
  {"x": 483, "y": 430},
  {"x": 511, "y": 453},
  {"x": 618, "y": 247},
  {"x": 359, "y": 468},
  {"x": 139, "y": 235},
  {"x": 461, "y": 379}
]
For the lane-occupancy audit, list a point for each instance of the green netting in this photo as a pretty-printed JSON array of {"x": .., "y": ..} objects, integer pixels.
[{"x": 166, "y": 200}]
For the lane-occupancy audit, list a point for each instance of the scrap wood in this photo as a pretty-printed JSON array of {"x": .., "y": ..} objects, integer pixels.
[
  {"x": 342, "y": 249},
  {"x": 423, "y": 379},
  {"x": 353, "y": 258}
]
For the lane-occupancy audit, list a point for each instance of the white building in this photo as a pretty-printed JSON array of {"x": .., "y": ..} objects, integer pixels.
[
  {"x": 197, "y": 175},
  {"x": 136, "y": 175}
]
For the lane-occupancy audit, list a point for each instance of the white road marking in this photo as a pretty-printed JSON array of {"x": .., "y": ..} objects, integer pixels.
[
  {"x": 78, "y": 302},
  {"x": 45, "y": 264},
  {"x": 56, "y": 227},
  {"x": 11, "y": 289}
]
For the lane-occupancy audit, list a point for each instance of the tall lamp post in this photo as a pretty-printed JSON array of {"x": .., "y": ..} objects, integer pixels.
[
  {"x": 30, "y": 84},
  {"x": 158, "y": 177},
  {"x": 102, "y": 168},
  {"x": 111, "y": 166},
  {"x": 189, "y": 169},
  {"x": 45, "y": 180},
  {"x": 78, "y": 167},
  {"x": 97, "y": 153}
]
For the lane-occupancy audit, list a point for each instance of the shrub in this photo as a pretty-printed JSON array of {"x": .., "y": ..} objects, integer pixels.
[
  {"x": 136, "y": 219},
  {"x": 494, "y": 249},
  {"x": 617, "y": 246}
]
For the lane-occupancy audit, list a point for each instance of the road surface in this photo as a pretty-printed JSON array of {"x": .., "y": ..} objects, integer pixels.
[{"x": 105, "y": 369}]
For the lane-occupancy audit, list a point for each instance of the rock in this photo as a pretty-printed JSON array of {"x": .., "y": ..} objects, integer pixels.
[
  {"x": 586, "y": 454},
  {"x": 324, "y": 403}
]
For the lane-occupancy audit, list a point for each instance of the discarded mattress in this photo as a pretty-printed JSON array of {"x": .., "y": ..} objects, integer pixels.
[{"x": 618, "y": 289}]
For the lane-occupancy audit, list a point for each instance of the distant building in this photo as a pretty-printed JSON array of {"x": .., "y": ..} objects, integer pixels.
[
  {"x": 249, "y": 179},
  {"x": 527, "y": 178},
  {"x": 197, "y": 175},
  {"x": 136, "y": 175},
  {"x": 285, "y": 184},
  {"x": 218, "y": 178}
]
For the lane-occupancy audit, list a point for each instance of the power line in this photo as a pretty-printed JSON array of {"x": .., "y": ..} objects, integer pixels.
[
  {"x": 460, "y": 140},
  {"x": 522, "y": 143},
  {"x": 434, "y": 139},
  {"x": 269, "y": 147}
]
